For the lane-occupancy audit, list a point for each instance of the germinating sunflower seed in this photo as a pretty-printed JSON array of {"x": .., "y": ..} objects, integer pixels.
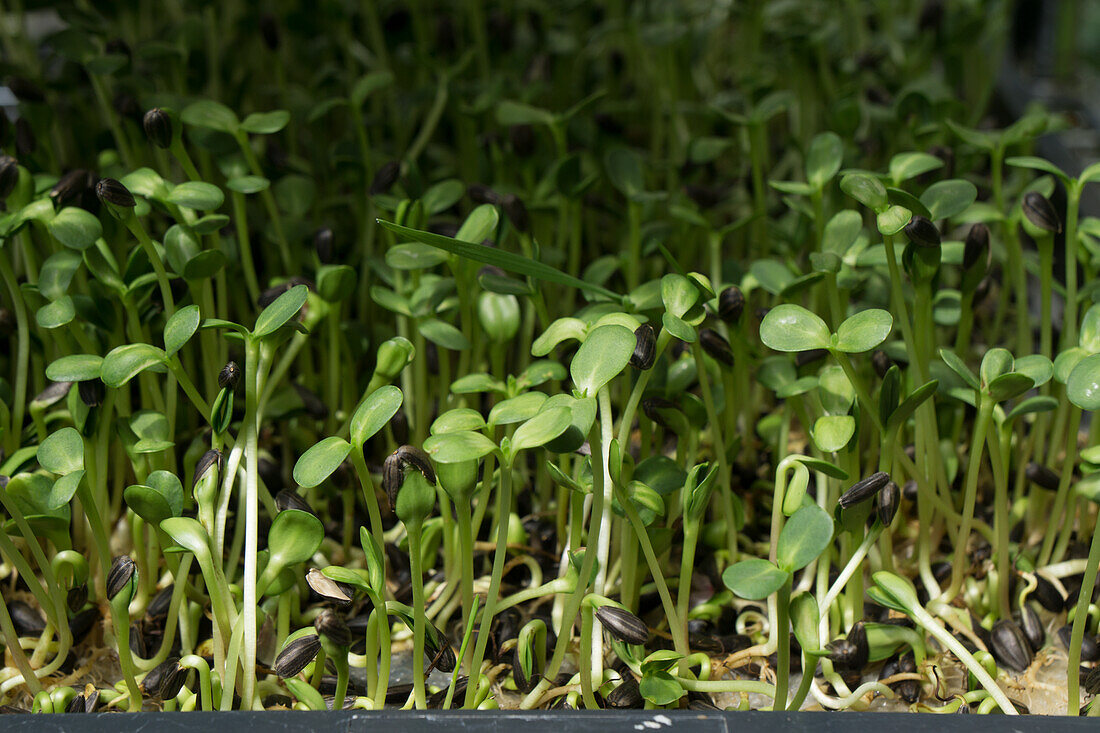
[
  {"x": 114, "y": 193},
  {"x": 1009, "y": 645},
  {"x": 922, "y": 232},
  {"x": 623, "y": 625},
  {"x": 731, "y": 304},
  {"x": 645, "y": 348},
  {"x": 296, "y": 655},
  {"x": 716, "y": 346},
  {"x": 332, "y": 626},
  {"x": 1040, "y": 212},
  {"x": 864, "y": 489},
  {"x": 229, "y": 376},
  {"x": 328, "y": 588},
  {"x": 158, "y": 127},
  {"x": 122, "y": 572}
]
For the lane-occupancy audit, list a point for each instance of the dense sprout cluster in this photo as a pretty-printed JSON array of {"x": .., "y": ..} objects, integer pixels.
[{"x": 680, "y": 355}]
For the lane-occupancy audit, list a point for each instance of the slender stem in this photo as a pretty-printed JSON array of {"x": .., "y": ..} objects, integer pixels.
[
  {"x": 1077, "y": 635},
  {"x": 504, "y": 504},
  {"x": 252, "y": 371},
  {"x": 1073, "y": 204},
  {"x": 414, "y": 530},
  {"x": 959, "y": 565},
  {"x": 14, "y": 436},
  {"x": 783, "y": 648}
]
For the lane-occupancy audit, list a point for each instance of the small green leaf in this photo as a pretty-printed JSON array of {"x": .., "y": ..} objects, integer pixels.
[
  {"x": 517, "y": 113},
  {"x": 865, "y": 189},
  {"x": 335, "y": 282},
  {"x": 266, "y": 123},
  {"x": 318, "y": 463},
  {"x": 624, "y": 168},
  {"x": 660, "y": 688},
  {"x": 790, "y": 327},
  {"x": 603, "y": 356},
  {"x": 75, "y": 228},
  {"x": 540, "y": 429},
  {"x": 904, "y": 166},
  {"x": 457, "y": 419},
  {"x": 864, "y": 331},
  {"x": 56, "y": 314},
  {"x": 1037, "y": 164},
  {"x": 127, "y": 361},
  {"x": 804, "y": 537},
  {"x": 823, "y": 159},
  {"x": 805, "y": 619},
  {"x": 946, "y": 199},
  {"x": 897, "y": 589},
  {"x": 374, "y": 412},
  {"x": 478, "y": 226},
  {"x": 1009, "y": 386},
  {"x": 62, "y": 451},
  {"x": 841, "y": 232},
  {"x": 459, "y": 446},
  {"x": 74, "y": 368},
  {"x": 1036, "y": 366},
  {"x": 754, "y": 579},
  {"x": 367, "y": 85},
  {"x": 61, "y": 492},
  {"x": 179, "y": 329},
  {"x": 832, "y": 432},
  {"x": 910, "y": 404},
  {"x": 443, "y": 334},
  {"x": 248, "y": 184},
  {"x": 1083, "y": 385},
  {"x": 294, "y": 537},
  {"x": 1039, "y": 403},
  {"x": 893, "y": 219},
  {"x": 516, "y": 409},
  {"x": 957, "y": 365},
  {"x": 197, "y": 195},
  {"x": 285, "y": 307},
  {"x": 211, "y": 116}
]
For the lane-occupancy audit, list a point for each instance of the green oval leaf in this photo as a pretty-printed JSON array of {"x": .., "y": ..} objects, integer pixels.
[
  {"x": 62, "y": 451},
  {"x": 75, "y": 228},
  {"x": 864, "y": 331},
  {"x": 1083, "y": 385},
  {"x": 865, "y": 189},
  {"x": 443, "y": 334},
  {"x": 823, "y": 159},
  {"x": 197, "y": 195},
  {"x": 893, "y": 219},
  {"x": 266, "y": 123},
  {"x": 127, "y": 361},
  {"x": 603, "y": 356},
  {"x": 179, "y": 329},
  {"x": 804, "y": 537},
  {"x": 459, "y": 446},
  {"x": 294, "y": 537},
  {"x": 210, "y": 115},
  {"x": 790, "y": 327},
  {"x": 946, "y": 199},
  {"x": 542, "y": 428},
  {"x": 374, "y": 412},
  {"x": 285, "y": 307},
  {"x": 74, "y": 368},
  {"x": 754, "y": 579},
  {"x": 318, "y": 463},
  {"x": 832, "y": 432}
]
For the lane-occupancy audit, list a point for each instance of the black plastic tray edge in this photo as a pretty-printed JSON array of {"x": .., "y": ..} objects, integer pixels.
[{"x": 553, "y": 721}]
